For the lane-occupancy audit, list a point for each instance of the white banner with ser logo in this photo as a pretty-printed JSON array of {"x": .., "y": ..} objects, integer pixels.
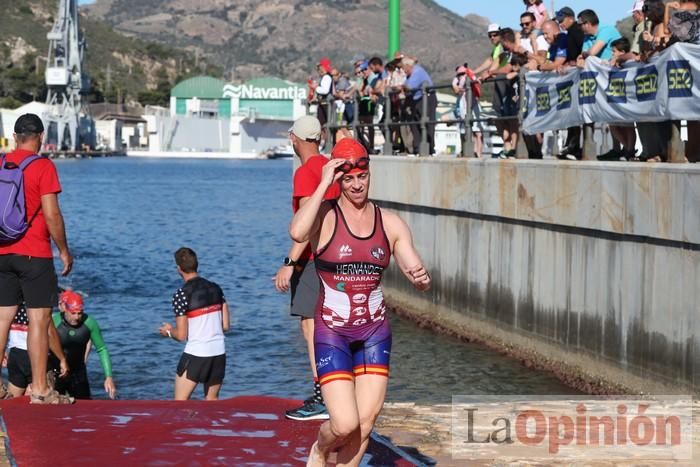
[{"x": 665, "y": 88}]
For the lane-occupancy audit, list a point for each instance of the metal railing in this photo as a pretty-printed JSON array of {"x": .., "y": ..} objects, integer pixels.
[
  {"x": 386, "y": 126},
  {"x": 426, "y": 121}
]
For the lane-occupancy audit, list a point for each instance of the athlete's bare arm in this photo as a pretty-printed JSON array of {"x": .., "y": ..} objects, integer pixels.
[
  {"x": 406, "y": 256},
  {"x": 225, "y": 318},
  {"x": 307, "y": 221},
  {"x": 57, "y": 349},
  {"x": 179, "y": 332},
  {"x": 284, "y": 274}
]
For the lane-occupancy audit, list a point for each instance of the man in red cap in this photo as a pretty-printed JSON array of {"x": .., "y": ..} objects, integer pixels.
[
  {"x": 324, "y": 92},
  {"x": 352, "y": 240}
]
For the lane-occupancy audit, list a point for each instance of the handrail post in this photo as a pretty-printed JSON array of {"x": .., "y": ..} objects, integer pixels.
[
  {"x": 424, "y": 147},
  {"x": 589, "y": 142},
  {"x": 521, "y": 148},
  {"x": 355, "y": 117},
  {"x": 468, "y": 140},
  {"x": 676, "y": 151},
  {"x": 330, "y": 121},
  {"x": 388, "y": 144}
]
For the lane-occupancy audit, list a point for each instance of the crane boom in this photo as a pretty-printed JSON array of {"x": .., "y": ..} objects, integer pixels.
[{"x": 66, "y": 82}]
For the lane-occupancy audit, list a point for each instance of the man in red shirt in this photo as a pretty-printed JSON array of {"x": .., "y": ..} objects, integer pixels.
[
  {"x": 26, "y": 265},
  {"x": 298, "y": 270}
]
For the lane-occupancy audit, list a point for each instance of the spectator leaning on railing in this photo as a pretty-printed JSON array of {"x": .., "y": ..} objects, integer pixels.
[
  {"x": 505, "y": 99},
  {"x": 682, "y": 21},
  {"x": 530, "y": 41},
  {"x": 654, "y": 136},
  {"x": 417, "y": 77},
  {"x": 575, "y": 37}
]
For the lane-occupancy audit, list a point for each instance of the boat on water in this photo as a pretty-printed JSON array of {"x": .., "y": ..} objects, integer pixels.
[{"x": 280, "y": 152}]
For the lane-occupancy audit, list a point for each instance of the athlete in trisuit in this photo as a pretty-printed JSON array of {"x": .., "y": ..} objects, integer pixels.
[
  {"x": 201, "y": 318},
  {"x": 78, "y": 332},
  {"x": 352, "y": 241},
  {"x": 19, "y": 370}
]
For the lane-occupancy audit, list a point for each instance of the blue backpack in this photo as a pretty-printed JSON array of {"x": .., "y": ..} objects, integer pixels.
[{"x": 13, "y": 209}]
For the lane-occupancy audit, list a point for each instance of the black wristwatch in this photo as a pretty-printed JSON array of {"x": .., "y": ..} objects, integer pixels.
[{"x": 290, "y": 262}]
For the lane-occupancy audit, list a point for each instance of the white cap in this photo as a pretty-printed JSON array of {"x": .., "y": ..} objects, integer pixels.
[
  {"x": 307, "y": 128},
  {"x": 493, "y": 27},
  {"x": 638, "y": 6}
]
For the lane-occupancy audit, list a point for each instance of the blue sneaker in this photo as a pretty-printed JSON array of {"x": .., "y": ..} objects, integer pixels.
[{"x": 311, "y": 410}]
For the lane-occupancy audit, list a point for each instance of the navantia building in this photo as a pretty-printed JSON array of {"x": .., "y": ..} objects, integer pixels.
[{"x": 211, "y": 116}]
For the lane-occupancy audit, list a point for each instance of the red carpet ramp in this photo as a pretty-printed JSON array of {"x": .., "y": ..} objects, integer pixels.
[{"x": 232, "y": 432}]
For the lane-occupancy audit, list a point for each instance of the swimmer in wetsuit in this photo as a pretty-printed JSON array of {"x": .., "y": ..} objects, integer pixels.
[
  {"x": 352, "y": 240},
  {"x": 78, "y": 332}
]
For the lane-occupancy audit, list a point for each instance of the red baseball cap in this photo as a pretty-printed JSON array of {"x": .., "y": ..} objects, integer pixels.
[
  {"x": 352, "y": 151},
  {"x": 72, "y": 301},
  {"x": 325, "y": 63}
]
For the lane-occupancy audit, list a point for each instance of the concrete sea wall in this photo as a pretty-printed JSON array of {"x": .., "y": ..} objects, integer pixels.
[{"x": 588, "y": 269}]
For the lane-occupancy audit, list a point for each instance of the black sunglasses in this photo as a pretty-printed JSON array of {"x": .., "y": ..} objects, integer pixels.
[
  {"x": 522, "y": 25},
  {"x": 362, "y": 164},
  {"x": 494, "y": 34}
]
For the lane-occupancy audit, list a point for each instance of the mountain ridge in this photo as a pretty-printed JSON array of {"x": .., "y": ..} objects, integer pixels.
[{"x": 250, "y": 38}]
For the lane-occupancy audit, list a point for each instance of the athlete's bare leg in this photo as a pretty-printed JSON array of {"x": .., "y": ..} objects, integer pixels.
[
  {"x": 183, "y": 387},
  {"x": 7, "y": 314},
  {"x": 307, "y": 328},
  {"x": 343, "y": 424},
  {"x": 370, "y": 391},
  {"x": 38, "y": 346},
  {"x": 15, "y": 391},
  {"x": 211, "y": 393}
]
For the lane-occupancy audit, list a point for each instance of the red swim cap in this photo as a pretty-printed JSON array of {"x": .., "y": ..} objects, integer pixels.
[
  {"x": 353, "y": 152},
  {"x": 72, "y": 301}
]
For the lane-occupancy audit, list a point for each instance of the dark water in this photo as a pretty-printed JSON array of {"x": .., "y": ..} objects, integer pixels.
[{"x": 125, "y": 218}]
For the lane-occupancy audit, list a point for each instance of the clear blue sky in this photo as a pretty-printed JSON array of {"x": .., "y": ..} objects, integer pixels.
[{"x": 507, "y": 12}]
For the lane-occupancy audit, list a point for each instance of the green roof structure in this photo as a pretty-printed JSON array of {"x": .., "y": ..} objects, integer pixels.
[{"x": 201, "y": 87}]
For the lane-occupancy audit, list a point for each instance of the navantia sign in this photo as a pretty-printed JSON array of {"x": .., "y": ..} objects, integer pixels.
[{"x": 248, "y": 91}]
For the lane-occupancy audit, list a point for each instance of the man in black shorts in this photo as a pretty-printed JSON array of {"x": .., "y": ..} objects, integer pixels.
[
  {"x": 201, "y": 317},
  {"x": 26, "y": 265},
  {"x": 297, "y": 271}
]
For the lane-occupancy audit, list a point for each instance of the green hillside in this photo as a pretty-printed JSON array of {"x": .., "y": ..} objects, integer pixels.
[{"x": 119, "y": 66}]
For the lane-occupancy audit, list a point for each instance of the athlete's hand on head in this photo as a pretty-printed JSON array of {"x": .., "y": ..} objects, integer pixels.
[
  {"x": 283, "y": 278},
  {"x": 110, "y": 388},
  {"x": 331, "y": 174},
  {"x": 420, "y": 277}
]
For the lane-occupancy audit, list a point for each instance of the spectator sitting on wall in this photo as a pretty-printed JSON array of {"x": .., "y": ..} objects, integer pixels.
[{"x": 539, "y": 11}]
